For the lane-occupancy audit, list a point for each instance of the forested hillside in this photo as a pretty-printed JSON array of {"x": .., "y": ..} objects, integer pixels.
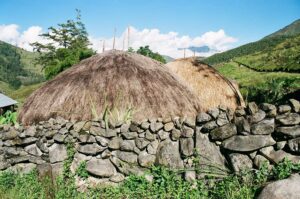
[{"x": 279, "y": 51}]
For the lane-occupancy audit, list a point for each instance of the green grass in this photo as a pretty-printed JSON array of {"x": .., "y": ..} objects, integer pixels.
[
  {"x": 166, "y": 183},
  {"x": 261, "y": 86}
]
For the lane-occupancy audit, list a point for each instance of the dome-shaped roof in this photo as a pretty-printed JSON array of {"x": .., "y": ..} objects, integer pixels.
[
  {"x": 211, "y": 87},
  {"x": 111, "y": 81}
]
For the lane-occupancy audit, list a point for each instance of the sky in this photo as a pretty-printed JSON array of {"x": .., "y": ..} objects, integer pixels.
[{"x": 166, "y": 26}]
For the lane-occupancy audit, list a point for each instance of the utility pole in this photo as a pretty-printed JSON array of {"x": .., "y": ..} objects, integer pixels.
[
  {"x": 124, "y": 41},
  {"x": 114, "y": 41},
  {"x": 103, "y": 47},
  {"x": 128, "y": 39},
  {"x": 184, "y": 53}
]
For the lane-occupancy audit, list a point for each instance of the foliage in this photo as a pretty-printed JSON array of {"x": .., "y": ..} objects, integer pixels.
[
  {"x": 146, "y": 51},
  {"x": 68, "y": 44},
  {"x": 8, "y": 117},
  {"x": 285, "y": 168},
  {"x": 81, "y": 170}
]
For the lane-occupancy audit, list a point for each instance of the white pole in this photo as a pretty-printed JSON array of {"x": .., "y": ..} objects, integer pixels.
[{"x": 114, "y": 41}]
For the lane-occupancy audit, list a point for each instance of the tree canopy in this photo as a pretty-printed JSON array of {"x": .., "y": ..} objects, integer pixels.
[
  {"x": 146, "y": 51},
  {"x": 67, "y": 45}
]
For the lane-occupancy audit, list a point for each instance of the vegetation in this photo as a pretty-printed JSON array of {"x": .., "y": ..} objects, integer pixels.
[
  {"x": 8, "y": 117},
  {"x": 166, "y": 183},
  {"x": 68, "y": 45},
  {"x": 146, "y": 51},
  {"x": 261, "y": 86}
]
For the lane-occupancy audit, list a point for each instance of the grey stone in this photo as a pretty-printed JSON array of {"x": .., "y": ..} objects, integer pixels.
[
  {"x": 115, "y": 143},
  {"x": 190, "y": 122},
  {"x": 223, "y": 132},
  {"x": 145, "y": 125},
  {"x": 209, "y": 152},
  {"x": 146, "y": 160},
  {"x": 252, "y": 108},
  {"x": 59, "y": 137},
  {"x": 106, "y": 154},
  {"x": 163, "y": 135},
  {"x": 187, "y": 132},
  {"x": 240, "y": 162},
  {"x": 295, "y": 105},
  {"x": 187, "y": 146},
  {"x": 190, "y": 176},
  {"x": 242, "y": 125},
  {"x": 152, "y": 147},
  {"x": 27, "y": 141},
  {"x": 30, "y": 131},
  {"x": 247, "y": 143},
  {"x": 12, "y": 134},
  {"x": 284, "y": 109},
  {"x": 280, "y": 145},
  {"x": 214, "y": 112},
  {"x": 257, "y": 117},
  {"x": 264, "y": 127},
  {"x": 57, "y": 153},
  {"x": 90, "y": 149},
  {"x": 253, "y": 154},
  {"x": 240, "y": 111},
  {"x": 209, "y": 126},
  {"x": 87, "y": 138},
  {"x": 22, "y": 168},
  {"x": 169, "y": 126},
  {"x": 124, "y": 128},
  {"x": 102, "y": 141},
  {"x": 168, "y": 154},
  {"x": 127, "y": 145},
  {"x": 150, "y": 136},
  {"x": 156, "y": 126},
  {"x": 117, "y": 178},
  {"x": 202, "y": 118},
  {"x": 287, "y": 188},
  {"x": 78, "y": 126},
  {"x": 42, "y": 146},
  {"x": 222, "y": 119},
  {"x": 259, "y": 160},
  {"x": 270, "y": 109},
  {"x": 294, "y": 145},
  {"x": 289, "y": 131},
  {"x": 175, "y": 134},
  {"x": 33, "y": 150},
  {"x": 289, "y": 119},
  {"x": 130, "y": 135},
  {"x": 128, "y": 157},
  {"x": 141, "y": 143},
  {"x": 101, "y": 168},
  {"x": 126, "y": 168},
  {"x": 278, "y": 156},
  {"x": 77, "y": 160},
  {"x": 133, "y": 127}
]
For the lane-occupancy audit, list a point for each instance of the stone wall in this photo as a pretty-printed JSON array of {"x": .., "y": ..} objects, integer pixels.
[{"x": 223, "y": 140}]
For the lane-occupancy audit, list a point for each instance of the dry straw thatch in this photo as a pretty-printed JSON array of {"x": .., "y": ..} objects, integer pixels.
[
  {"x": 114, "y": 80},
  {"x": 210, "y": 86}
]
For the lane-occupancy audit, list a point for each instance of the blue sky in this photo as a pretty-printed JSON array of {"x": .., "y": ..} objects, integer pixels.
[{"x": 244, "y": 20}]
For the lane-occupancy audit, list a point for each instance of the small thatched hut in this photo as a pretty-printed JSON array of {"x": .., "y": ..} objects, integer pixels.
[
  {"x": 211, "y": 87},
  {"x": 112, "y": 82}
]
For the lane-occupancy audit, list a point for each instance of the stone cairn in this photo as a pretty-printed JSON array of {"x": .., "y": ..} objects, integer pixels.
[{"x": 219, "y": 139}]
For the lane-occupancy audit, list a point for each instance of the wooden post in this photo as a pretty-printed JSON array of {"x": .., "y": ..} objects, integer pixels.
[
  {"x": 184, "y": 53},
  {"x": 114, "y": 41},
  {"x": 128, "y": 39},
  {"x": 103, "y": 47},
  {"x": 123, "y": 48}
]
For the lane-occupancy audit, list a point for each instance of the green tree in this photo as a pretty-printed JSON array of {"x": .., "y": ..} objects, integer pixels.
[
  {"x": 68, "y": 45},
  {"x": 146, "y": 51}
]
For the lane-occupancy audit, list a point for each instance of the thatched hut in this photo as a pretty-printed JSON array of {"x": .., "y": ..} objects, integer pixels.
[
  {"x": 211, "y": 87},
  {"x": 113, "y": 82}
]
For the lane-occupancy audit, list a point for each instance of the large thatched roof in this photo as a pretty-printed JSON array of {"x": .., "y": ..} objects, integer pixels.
[
  {"x": 210, "y": 86},
  {"x": 113, "y": 79}
]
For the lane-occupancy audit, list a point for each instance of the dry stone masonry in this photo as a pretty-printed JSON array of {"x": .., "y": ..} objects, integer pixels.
[{"x": 222, "y": 139}]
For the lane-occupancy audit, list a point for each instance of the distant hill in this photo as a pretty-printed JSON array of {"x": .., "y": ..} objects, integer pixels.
[
  {"x": 17, "y": 67},
  {"x": 279, "y": 51},
  {"x": 168, "y": 58}
]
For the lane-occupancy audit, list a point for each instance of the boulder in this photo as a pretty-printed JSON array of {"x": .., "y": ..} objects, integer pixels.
[
  {"x": 284, "y": 109},
  {"x": 57, "y": 153},
  {"x": 289, "y": 131},
  {"x": 115, "y": 143},
  {"x": 289, "y": 119},
  {"x": 145, "y": 125},
  {"x": 214, "y": 112},
  {"x": 141, "y": 143},
  {"x": 259, "y": 160},
  {"x": 247, "y": 143},
  {"x": 169, "y": 126},
  {"x": 152, "y": 147},
  {"x": 156, "y": 126},
  {"x": 295, "y": 105},
  {"x": 33, "y": 150},
  {"x": 294, "y": 145},
  {"x": 187, "y": 132},
  {"x": 263, "y": 127},
  {"x": 209, "y": 126},
  {"x": 287, "y": 188},
  {"x": 222, "y": 119},
  {"x": 187, "y": 146},
  {"x": 240, "y": 162},
  {"x": 117, "y": 178},
  {"x": 87, "y": 138},
  {"x": 242, "y": 125},
  {"x": 146, "y": 160},
  {"x": 90, "y": 149},
  {"x": 162, "y": 135},
  {"x": 252, "y": 108},
  {"x": 270, "y": 109},
  {"x": 101, "y": 168},
  {"x": 203, "y": 118},
  {"x": 257, "y": 117},
  {"x": 223, "y": 132},
  {"x": 168, "y": 154},
  {"x": 127, "y": 145},
  {"x": 175, "y": 134},
  {"x": 59, "y": 137},
  {"x": 128, "y": 157},
  {"x": 278, "y": 156}
]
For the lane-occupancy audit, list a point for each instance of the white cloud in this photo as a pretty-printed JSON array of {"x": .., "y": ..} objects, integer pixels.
[
  {"x": 167, "y": 43},
  {"x": 164, "y": 43}
]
